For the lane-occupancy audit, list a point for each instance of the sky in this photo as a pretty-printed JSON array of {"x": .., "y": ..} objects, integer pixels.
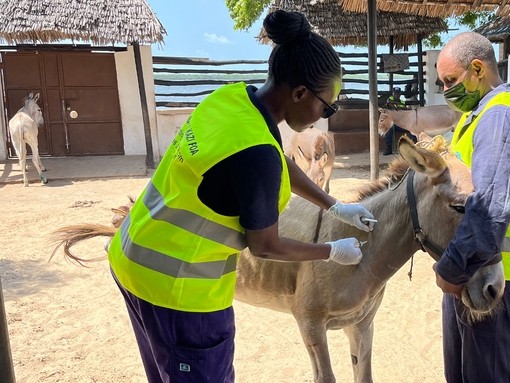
[{"x": 204, "y": 29}]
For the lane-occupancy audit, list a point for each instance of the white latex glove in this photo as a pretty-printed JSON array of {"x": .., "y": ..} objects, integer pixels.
[
  {"x": 353, "y": 214},
  {"x": 345, "y": 251}
]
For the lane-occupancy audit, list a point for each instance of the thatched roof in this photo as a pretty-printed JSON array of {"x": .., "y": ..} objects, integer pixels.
[
  {"x": 496, "y": 30},
  {"x": 102, "y": 22},
  {"x": 432, "y": 8},
  {"x": 350, "y": 28}
]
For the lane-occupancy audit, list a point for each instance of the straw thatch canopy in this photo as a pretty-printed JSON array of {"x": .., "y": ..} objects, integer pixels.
[
  {"x": 432, "y": 8},
  {"x": 496, "y": 30},
  {"x": 350, "y": 28},
  {"x": 102, "y": 22}
]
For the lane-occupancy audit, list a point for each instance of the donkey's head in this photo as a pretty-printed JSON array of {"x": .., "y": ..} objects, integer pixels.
[
  {"x": 385, "y": 121},
  {"x": 31, "y": 108},
  {"x": 451, "y": 181},
  {"x": 317, "y": 160}
]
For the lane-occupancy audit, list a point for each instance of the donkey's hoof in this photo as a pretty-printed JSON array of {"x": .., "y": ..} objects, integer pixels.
[
  {"x": 43, "y": 169},
  {"x": 44, "y": 180}
]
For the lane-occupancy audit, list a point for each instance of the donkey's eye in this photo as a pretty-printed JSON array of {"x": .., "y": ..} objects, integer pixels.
[{"x": 458, "y": 208}]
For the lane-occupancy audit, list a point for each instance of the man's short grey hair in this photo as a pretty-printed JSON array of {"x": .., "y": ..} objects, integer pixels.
[{"x": 467, "y": 46}]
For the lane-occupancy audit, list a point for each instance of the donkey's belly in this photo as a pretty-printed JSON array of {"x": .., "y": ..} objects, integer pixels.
[{"x": 266, "y": 283}]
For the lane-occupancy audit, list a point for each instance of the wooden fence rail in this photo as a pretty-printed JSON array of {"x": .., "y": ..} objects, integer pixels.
[{"x": 178, "y": 82}]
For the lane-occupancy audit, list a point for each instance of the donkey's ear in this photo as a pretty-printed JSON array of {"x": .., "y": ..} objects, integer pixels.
[
  {"x": 302, "y": 154},
  {"x": 421, "y": 160},
  {"x": 36, "y": 97},
  {"x": 323, "y": 160}
]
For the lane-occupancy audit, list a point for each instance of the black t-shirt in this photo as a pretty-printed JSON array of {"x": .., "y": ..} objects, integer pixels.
[{"x": 247, "y": 184}]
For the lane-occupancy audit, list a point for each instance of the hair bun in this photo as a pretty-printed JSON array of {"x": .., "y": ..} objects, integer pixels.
[{"x": 284, "y": 27}]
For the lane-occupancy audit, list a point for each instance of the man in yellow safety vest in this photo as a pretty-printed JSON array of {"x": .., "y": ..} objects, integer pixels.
[{"x": 480, "y": 351}]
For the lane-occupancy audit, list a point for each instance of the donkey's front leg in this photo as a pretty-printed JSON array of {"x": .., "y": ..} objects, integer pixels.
[
  {"x": 360, "y": 342},
  {"x": 316, "y": 342},
  {"x": 361, "y": 336}
]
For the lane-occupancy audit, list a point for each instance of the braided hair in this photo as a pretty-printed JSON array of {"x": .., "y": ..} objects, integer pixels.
[{"x": 300, "y": 56}]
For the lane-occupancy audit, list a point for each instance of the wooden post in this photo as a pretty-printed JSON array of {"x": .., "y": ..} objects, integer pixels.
[
  {"x": 372, "y": 87},
  {"x": 145, "y": 110},
  {"x": 6, "y": 366},
  {"x": 419, "y": 42},
  {"x": 391, "y": 51}
]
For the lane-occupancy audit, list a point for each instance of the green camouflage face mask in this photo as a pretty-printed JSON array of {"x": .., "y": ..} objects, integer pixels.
[{"x": 460, "y": 99}]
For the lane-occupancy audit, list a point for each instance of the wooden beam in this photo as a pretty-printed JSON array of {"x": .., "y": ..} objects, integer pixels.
[
  {"x": 200, "y": 61},
  {"x": 6, "y": 366},
  {"x": 145, "y": 111},
  {"x": 421, "y": 90},
  {"x": 391, "y": 51},
  {"x": 373, "y": 111}
]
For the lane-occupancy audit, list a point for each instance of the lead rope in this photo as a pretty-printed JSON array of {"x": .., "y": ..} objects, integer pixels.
[{"x": 410, "y": 273}]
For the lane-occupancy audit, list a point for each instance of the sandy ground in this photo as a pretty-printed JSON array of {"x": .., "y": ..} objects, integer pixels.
[{"x": 69, "y": 324}]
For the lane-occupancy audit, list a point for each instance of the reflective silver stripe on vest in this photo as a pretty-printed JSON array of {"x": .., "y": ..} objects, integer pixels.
[
  {"x": 191, "y": 222},
  {"x": 173, "y": 267},
  {"x": 506, "y": 245}
]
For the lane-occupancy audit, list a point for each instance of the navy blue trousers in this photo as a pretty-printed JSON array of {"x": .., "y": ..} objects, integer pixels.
[
  {"x": 479, "y": 352},
  {"x": 182, "y": 347}
]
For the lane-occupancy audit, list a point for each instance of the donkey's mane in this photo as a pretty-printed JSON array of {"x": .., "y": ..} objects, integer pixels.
[
  {"x": 398, "y": 168},
  {"x": 393, "y": 174}
]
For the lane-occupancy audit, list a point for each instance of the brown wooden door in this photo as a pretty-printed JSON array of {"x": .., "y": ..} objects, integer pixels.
[{"x": 79, "y": 98}]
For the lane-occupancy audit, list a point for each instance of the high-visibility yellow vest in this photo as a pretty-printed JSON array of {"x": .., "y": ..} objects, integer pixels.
[
  {"x": 172, "y": 250},
  {"x": 397, "y": 104},
  {"x": 462, "y": 146}
]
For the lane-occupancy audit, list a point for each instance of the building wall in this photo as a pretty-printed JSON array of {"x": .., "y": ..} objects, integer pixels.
[
  {"x": 433, "y": 96},
  {"x": 169, "y": 122},
  {"x": 130, "y": 105}
]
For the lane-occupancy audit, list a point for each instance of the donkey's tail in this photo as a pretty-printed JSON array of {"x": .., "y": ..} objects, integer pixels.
[{"x": 68, "y": 236}]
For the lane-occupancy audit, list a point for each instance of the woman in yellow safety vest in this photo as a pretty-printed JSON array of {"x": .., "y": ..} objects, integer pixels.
[{"x": 220, "y": 188}]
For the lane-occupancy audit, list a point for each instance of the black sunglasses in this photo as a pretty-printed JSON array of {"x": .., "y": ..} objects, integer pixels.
[{"x": 329, "y": 110}]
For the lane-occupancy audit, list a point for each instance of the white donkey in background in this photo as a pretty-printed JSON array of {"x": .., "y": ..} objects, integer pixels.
[{"x": 23, "y": 128}]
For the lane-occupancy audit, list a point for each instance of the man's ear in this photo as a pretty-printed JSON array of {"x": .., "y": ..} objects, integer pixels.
[
  {"x": 479, "y": 67},
  {"x": 298, "y": 93}
]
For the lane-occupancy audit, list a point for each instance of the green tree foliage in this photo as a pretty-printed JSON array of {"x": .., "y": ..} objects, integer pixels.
[
  {"x": 473, "y": 20},
  {"x": 246, "y": 12},
  {"x": 469, "y": 20}
]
